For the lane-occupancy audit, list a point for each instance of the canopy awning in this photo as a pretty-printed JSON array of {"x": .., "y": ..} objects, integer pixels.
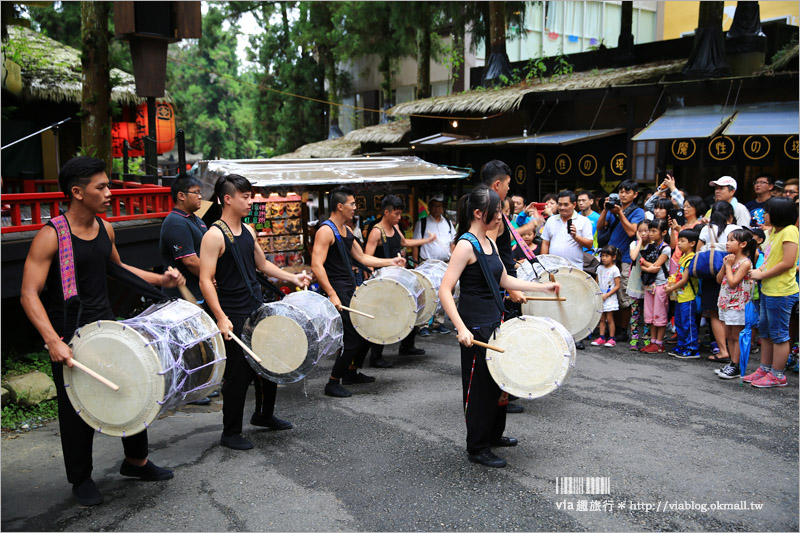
[
  {"x": 771, "y": 118},
  {"x": 563, "y": 138},
  {"x": 687, "y": 123},
  {"x": 313, "y": 172},
  {"x": 439, "y": 139}
]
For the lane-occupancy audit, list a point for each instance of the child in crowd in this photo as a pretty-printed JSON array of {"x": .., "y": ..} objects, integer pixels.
[
  {"x": 778, "y": 292},
  {"x": 608, "y": 277},
  {"x": 685, "y": 288},
  {"x": 735, "y": 291},
  {"x": 654, "y": 280},
  {"x": 527, "y": 236},
  {"x": 635, "y": 290}
]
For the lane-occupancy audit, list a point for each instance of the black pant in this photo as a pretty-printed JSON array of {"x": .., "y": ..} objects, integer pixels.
[
  {"x": 238, "y": 375},
  {"x": 486, "y": 420},
  {"x": 356, "y": 347},
  {"x": 77, "y": 435},
  {"x": 376, "y": 351}
]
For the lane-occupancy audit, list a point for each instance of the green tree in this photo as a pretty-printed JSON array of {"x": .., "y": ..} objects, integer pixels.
[{"x": 214, "y": 110}]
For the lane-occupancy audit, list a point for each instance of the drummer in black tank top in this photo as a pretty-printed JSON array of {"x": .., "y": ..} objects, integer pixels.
[
  {"x": 335, "y": 277},
  {"x": 477, "y": 316},
  {"x": 237, "y": 295},
  {"x": 85, "y": 182},
  {"x": 387, "y": 241}
]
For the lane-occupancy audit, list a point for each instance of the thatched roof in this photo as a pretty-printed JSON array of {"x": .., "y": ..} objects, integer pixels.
[
  {"x": 391, "y": 133},
  {"x": 509, "y": 99},
  {"x": 52, "y": 71},
  {"x": 331, "y": 148}
]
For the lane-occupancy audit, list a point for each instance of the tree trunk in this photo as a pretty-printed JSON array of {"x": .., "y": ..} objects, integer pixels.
[
  {"x": 710, "y": 14},
  {"x": 424, "y": 53},
  {"x": 96, "y": 97},
  {"x": 497, "y": 27},
  {"x": 626, "y": 26},
  {"x": 458, "y": 72}
]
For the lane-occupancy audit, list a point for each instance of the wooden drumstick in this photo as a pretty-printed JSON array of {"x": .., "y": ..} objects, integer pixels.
[
  {"x": 488, "y": 346},
  {"x": 357, "y": 312},
  {"x": 83, "y": 368},
  {"x": 241, "y": 343},
  {"x": 305, "y": 287},
  {"x": 91, "y": 373},
  {"x": 187, "y": 294}
]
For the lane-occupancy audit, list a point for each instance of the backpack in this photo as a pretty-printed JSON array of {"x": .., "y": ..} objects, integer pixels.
[{"x": 648, "y": 278}]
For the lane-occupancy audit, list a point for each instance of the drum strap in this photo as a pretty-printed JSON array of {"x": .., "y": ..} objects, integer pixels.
[
  {"x": 484, "y": 264},
  {"x": 237, "y": 258},
  {"x": 66, "y": 262},
  {"x": 514, "y": 233},
  {"x": 343, "y": 252},
  {"x": 385, "y": 242}
]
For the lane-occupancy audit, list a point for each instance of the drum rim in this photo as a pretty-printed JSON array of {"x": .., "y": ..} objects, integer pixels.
[
  {"x": 494, "y": 360},
  {"x": 430, "y": 305},
  {"x": 356, "y": 319},
  {"x": 85, "y": 333}
]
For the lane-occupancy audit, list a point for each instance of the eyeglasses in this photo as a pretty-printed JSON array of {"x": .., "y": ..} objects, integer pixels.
[
  {"x": 761, "y": 182},
  {"x": 198, "y": 193},
  {"x": 351, "y": 204}
]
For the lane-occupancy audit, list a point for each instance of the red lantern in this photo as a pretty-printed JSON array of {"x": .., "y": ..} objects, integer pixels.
[{"x": 134, "y": 132}]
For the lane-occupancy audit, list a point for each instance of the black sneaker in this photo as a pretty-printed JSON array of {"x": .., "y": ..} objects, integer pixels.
[
  {"x": 148, "y": 472},
  {"x": 272, "y": 422},
  {"x": 380, "y": 362},
  {"x": 333, "y": 388},
  {"x": 356, "y": 378},
  {"x": 411, "y": 351},
  {"x": 729, "y": 371},
  {"x": 235, "y": 442},
  {"x": 87, "y": 493},
  {"x": 580, "y": 346},
  {"x": 487, "y": 458},
  {"x": 514, "y": 408}
]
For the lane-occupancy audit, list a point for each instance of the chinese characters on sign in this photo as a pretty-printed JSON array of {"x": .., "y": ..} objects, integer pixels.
[
  {"x": 683, "y": 149},
  {"x": 541, "y": 163},
  {"x": 587, "y": 165},
  {"x": 520, "y": 174},
  {"x": 790, "y": 147},
  {"x": 721, "y": 148},
  {"x": 756, "y": 147},
  {"x": 563, "y": 164},
  {"x": 619, "y": 164}
]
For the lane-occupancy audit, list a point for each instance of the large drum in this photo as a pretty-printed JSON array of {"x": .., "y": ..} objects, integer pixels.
[
  {"x": 169, "y": 355},
  {"x": 430, "y": 274},
  {"x": 539, "y": 356},
  {"x": 581, "y": 311},
  {"x": 393, "y": 297},
  {"x": 292, "y": 335}
]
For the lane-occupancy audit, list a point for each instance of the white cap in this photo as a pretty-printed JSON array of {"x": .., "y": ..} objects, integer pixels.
[
  {"x": 725, "y": 181},
  {"x": 437, "y": 198}
]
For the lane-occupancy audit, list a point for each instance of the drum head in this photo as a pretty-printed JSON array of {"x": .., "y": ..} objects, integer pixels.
[
  {"x": 429, "y": 299},
  {"x": 392, "y": 305},
  {"x": 580, "y": 313},
  {"x": 539, "y": 356},
  {"x": 122, "y": 355},
  {"x": 281, "y": 344}
]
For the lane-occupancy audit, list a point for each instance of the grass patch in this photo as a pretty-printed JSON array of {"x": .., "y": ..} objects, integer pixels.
[
  {"x": 13, "y": 415},
  {"x": 14, "y": 365}
]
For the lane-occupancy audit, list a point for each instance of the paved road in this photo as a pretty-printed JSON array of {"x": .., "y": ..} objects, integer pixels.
[{"x": 667, "y": 433}]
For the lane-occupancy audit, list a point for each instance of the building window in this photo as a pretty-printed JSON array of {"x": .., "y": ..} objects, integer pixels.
[{"x": 644, "y": 160}]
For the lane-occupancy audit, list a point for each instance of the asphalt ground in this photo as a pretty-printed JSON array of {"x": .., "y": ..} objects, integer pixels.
[{"x": 681, "y": 450}]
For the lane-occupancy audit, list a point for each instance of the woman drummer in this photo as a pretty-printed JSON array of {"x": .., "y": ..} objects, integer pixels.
[{"x": 478, "y": 315}]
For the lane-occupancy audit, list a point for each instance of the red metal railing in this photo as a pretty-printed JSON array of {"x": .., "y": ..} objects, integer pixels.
[{"x": 146, "y": 201}]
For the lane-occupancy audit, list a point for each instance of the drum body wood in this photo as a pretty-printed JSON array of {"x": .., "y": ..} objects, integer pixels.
[
  {"x": 539, "y": 356},
  {"x": 392, "y": 296},
  {"x": 581, "y": 311},
  {"x": 292, "y": 335},
  {"x": 169, "y": 355}
]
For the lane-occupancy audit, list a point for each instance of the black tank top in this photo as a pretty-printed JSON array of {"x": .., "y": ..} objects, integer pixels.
[
  {"x": 393, "y": 243},
  {"x": 477, "y": 306},
  {"x": 90, "y": 266},
  {"x": 504, "y": 249},
  {"x": 235, "y": 297},
  {"x": 340, "y": 277}
]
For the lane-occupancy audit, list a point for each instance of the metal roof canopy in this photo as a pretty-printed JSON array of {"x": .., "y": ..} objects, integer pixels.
[
  {"x": 685, "y": 123},
  {"x": 316, "y": 172},
  {"x": 768, "y": 118},
  {"x": 563, "y": 138},
  {"x": 493, "y": 141},
  {"x": 440, "y": 138}
]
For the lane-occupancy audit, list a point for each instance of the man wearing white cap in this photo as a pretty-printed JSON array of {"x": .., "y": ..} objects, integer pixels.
[{"x": 724, "y": 191}]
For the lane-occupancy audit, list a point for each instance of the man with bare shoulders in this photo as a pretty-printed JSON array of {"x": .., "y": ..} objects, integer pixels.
[
  {"x": 89, "y": 240},
  {"x": 334, "y": 249},
  {"x": 386, "y": 241},
  {"x": 230, "y": 254}
]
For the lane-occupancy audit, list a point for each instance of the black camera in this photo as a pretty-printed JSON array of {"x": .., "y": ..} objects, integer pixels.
[{"x": 613, "y": 201}]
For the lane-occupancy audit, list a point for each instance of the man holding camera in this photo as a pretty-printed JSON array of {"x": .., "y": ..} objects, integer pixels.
[{"x": 621, "y": 215}]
